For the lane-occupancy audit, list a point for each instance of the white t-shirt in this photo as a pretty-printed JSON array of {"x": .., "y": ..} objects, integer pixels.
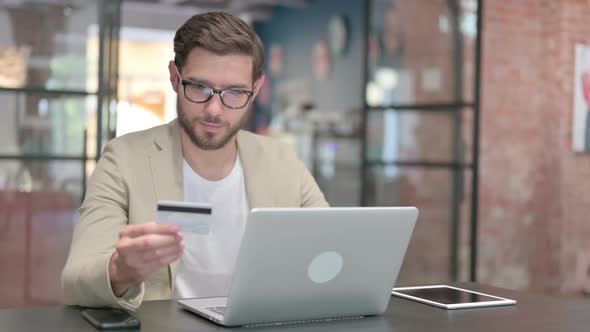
[{"x": 208, "y": 261}]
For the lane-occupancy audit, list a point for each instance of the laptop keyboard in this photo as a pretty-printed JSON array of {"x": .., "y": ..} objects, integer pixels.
[{"x": 217, "y": 310}]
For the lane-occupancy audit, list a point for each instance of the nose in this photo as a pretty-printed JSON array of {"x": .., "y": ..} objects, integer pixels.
[{"x": 214, "y": 106}]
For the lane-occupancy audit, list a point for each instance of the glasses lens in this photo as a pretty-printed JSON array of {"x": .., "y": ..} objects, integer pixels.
[
  {"x": 197, "y": 92},
  {"x": 235, "y": 99}
]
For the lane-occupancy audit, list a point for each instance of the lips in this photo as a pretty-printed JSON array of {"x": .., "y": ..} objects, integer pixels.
[{"x": 212, "y": 127}]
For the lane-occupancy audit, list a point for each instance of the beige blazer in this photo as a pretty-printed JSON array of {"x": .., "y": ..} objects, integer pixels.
[{"x": 137, "y": 170}]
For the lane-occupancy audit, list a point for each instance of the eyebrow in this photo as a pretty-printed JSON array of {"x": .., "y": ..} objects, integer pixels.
[{"x": 211, "y": 85}]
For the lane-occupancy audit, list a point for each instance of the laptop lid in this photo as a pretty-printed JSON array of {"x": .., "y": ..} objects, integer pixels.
[{"x": 317, "y": 263}]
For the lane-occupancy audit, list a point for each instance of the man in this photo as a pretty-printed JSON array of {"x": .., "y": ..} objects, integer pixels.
[{"x": 120, "y": 255}]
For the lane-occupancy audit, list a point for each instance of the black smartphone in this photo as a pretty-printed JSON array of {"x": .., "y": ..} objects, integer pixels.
[{"x": 110, "y": 319}]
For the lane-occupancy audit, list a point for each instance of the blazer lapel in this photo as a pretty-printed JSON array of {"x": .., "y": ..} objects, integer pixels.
[
  {"x": 166, "y": 166},
  {"x": 257, "y": 175}
]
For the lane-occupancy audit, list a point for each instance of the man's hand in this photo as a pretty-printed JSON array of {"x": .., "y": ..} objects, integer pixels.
[{"x": 143, "y": 249}]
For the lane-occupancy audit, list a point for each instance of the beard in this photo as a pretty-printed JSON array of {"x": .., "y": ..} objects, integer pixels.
[{"x": 206, "y": 140}]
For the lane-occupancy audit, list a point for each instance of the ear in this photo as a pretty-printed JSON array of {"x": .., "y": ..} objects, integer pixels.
[
  {"x": 258, "y": 85},
  {"x": 174, "y": 78}
]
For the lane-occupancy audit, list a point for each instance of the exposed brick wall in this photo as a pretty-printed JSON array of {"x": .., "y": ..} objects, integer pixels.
[
  {"x": 534, "y": 193},
  {"x": 427, "y": 47}
]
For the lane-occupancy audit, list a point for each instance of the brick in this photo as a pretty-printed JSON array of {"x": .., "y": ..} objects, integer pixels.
[{"x": 532, "y": 183}]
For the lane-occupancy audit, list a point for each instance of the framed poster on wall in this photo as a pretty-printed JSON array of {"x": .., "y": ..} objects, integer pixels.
[{"x": 581, "y": 123}]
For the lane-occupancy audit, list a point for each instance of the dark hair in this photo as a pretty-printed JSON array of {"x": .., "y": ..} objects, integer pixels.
[{"x": 220, "y": 33}]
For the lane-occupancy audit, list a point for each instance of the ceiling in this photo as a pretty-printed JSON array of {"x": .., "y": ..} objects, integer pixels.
[{"x": 251, "y": 10}]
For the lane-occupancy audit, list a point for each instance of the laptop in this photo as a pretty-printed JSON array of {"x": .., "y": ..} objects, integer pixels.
[{"x": 313, "y": 264}]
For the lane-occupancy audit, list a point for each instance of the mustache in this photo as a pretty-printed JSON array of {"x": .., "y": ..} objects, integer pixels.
[{"x": 211, "y": 119}]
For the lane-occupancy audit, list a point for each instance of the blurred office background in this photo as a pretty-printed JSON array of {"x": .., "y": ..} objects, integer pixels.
[{"x": 388, "y": 102}]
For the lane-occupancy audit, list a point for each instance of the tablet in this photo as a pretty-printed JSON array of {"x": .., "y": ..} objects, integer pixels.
[{"x": 449, "y": 297}]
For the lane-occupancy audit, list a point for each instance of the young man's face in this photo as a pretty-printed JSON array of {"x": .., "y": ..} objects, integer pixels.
[{"x": 211, "y": 125}]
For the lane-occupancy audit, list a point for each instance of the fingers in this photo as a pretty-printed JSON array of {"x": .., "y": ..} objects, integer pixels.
[
  {"x": 135, "y": 266},
  {"x": 162, "y": 261},
  {"x": 145, "y": 248},
  {"x": 156, "y": 254},
  {"x": 144, "y": 271},
  {"x": 148, "y": 242},
  {"x": 148, "y": 228}
]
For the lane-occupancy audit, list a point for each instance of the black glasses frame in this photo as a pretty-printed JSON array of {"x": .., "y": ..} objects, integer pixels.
[{"x": 212, "y": 92}]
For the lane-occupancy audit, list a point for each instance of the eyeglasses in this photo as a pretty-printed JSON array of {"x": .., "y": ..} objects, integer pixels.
[{"x": 200, "y": 93}]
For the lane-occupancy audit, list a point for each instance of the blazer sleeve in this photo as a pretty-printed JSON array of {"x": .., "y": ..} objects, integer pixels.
[
  {"x": 85, "y": 277},
  {"x": 311, "y": 195}
]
